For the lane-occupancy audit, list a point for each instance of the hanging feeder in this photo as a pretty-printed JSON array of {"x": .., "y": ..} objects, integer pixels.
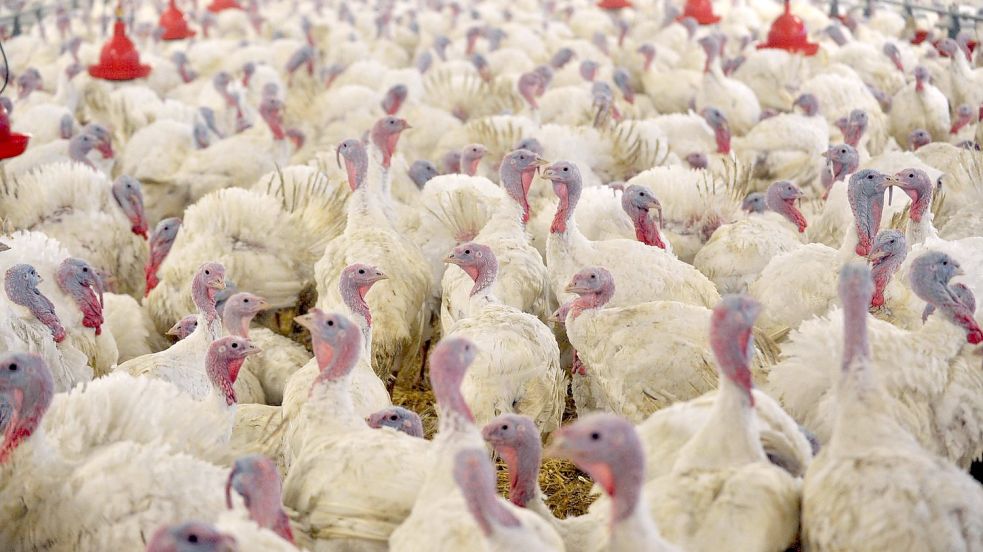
[
  {"x": 12, "y": 144},
  {"x": 174, "y": 24},
  {"x": 222, "y": 5},
  {"x": 119, "y": 59},
  {"x": 701, "y": 11},
  {"x": 788, "y": 33}
]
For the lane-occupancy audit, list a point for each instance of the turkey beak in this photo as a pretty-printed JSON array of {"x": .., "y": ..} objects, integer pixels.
[
  {"x": 891, "y": 181},
  {"x": 253, "y": 350},
  {"x": 539, "y": 163},
  {"x": 877, "y": 256},
  {"x": 175, "y": 329},
  {"x": 555, "y": 317},
  {"x": 959, "y": 271},
  {"x": 262, "y": 304},
  {"x": 380, "y": 275},
  {"x": 4, "y": 247},
  {"x": 217, "y": 284},
  {"x": 305, "y": 321},
  {"x": 451, "y": 259}
]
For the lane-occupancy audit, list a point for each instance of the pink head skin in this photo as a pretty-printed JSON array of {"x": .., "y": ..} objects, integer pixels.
[
  {"x": 248, "y": 70},
  {"x": 637, "y": 201},
  {"x": 919, "y": 187},
  {"x": 356, "y": 161},
  {"x": 754, "y": 203},
  {"x": 79, "y": 147},
  {"x": 697, "y": 160},
  {"x": 930, "y": 274},
  {"x": 562, "y": 57},
  {"x": 866, "y": 195},
  {"x": 808, "y": 104},
  {"x": 82, "y": 283},
  {"x": 394, "y": 99},
  {"x": 449, "y": 362},
  {"x": 731, "y": 339},
  {"x": 356, "y": 281},
  {"x": 545, "y": 73},
  {"x": 516, "y": 439},
  {"x": 594, "y": 287},
  {"x": 66, "y": 126},
  {"x": 451, "y": 162},
  {"x": 421, "y": 171},
  {"x": 531, "y": 86},
  {"x": 424, "y": 61},
  {"x": 721, "y": 130},
  {"x": 385, "y": 134},
  {"x": 296, "y": 137},
  {"x": 188, "y": 74},
  {"x": 835, "y": 33},
  {"x": 963, "y": 295},
  {"x": 184, "y": 327},
  {"x": 27, "y": 388},
  {"x": 191, "y": 536},
  {"x": 781, "y": 197},
  {"x": 516, "y": 174},
  {"x": 20, "y": 283},
  {"x": 608, "y": 449},
  {"x": 475, "y": 476},
  {"x": 478, "y": 261},
  {"x": 711, "y": 47},
  {"x": 239, "y": 311},
  {"x": 303, "y": 57},
  {"x": 161, "y": 241},
  {"x": 622, "y": 80},
  {"x": 220, "y": 82},
  {"x": 398, "y": 418},
  {"x": 223, "y": 361},
  {"x": 129, "y": 196},
  {"x": 948, "y": 47},
  {"x": 841, "y": 160},
  {"x": 922, "y": 77},
  {"x": 271, "y": 109},
  {"x": 964, "y": 116},
  {"x": 883, "y": 99},
  {"x": 472, "y": 35},
  {"x": 856, "y": 290},
  {"x": 567, "y": 186},
  {"x": 918, "y": 138},
  {"x": 588, "y": 70},
  {"x": 600, "y": 41},
  {"x": 647, "y": 52},
  {"x": 889, "y": 251},
  {"x": 337, "y": 344},
  {"x": 891, "y": 51},
  {"x": 28, "y": 81},
  {"x": 208, "y": 281},
  {"x": 256, "y": 480},
  {"x": 470, "y": 158}
]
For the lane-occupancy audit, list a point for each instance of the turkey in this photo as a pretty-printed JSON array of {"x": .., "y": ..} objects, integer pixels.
[
  {"x": 517, "y": 368},
  {"x": 871, "y": 464}
]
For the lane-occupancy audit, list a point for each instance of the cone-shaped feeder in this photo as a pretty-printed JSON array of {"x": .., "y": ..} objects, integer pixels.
[
  {"x": 788, "y": 32},
  {"x": 12, "y": 144},
  {"x": 119, "y": 59},
  {"x": 174, "y": 24},
  {"x": 220, "y": 5},
  {"x": 614, "y": 4},
  {"x": 701, "y": 11}
]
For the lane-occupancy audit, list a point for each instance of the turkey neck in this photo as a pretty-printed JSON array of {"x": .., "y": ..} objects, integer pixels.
[
  {"x": 222, "y": 374},
  {"x": 26, "y": 417},
  {"x": 86, "y": 300},
  {"x": 354, "y": 298},
  {"x": 484, "y": 274},
  {"x": 237, "y": 323},
  {"x": 507, "y": 219},
  {"x": 204, "y": 299},
  {"x": 862, "y": 419},
  {"x": 516, "y": 184},
  {"x": 523, "y": 474},
  {"x": 330, "y": 391},
  {"x": 920, "y": 224},
  {"x": 729, "y": 438},
  {"x": 590, "y": 301}
]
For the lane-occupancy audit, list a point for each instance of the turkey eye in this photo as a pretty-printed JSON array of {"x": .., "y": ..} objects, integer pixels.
[
  {"x": 330, "y": 322},
  {"x": 394, "y": 417},
  {"x": 85, "y": 270},
  {"x": 235, "y": 345},
  {"x": 361, "y": 271},
  {"x": 945, "y": 263},
  {"x": 12, "y": 367},
  {"x": 870, "y": 177},
  {"x": 467, "y": 251},
  {"x": 193, "y": 538},
  {"x": 565, "y": 169},
  {"x": 592, "y": 276},
  {"x": 505, "y": 427},
  {"x": 207, "y": 272},
  {"x": 245, "y": 300},
  {"x": 595, "y": 436}
]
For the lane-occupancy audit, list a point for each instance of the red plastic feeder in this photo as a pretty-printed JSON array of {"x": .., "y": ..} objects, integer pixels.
[
  {"x": 174, "y": 24},
  {"x": 788, "y": 32},
  {"x": 119, "y": 60},
  {"x": 614, "y": 4},
  {"x": 220, "y": 5},
  {"x": 920, "y": 36},
  {"x": 701, "y": 11},
  {"x": 12, "y": 144}
]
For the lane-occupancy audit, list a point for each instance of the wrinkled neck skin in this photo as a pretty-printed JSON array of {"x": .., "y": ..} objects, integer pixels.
[
  {"x": 882, "y": 271},
  {"x": 563, "y": 221},
  {"x": 523, "y": 476},
  {"x": 223, "y": 374},
  {"x": 354, "y": 298},
  {"x": 921, "y": 226},
  {"x": 512, "y": 180},
  {"x": 867, "y": 219},
  {"x": 330, "y": 396},
  {"x": 25, "y": 421},
  {"x": 646, "y": 230},
  {"x": 489, "y": 513},
  {"x": 954, "y": 312},
  {"x": 86, "y": 300},
  {"x": 590, "y": 301},
  {"x": 729, "y": 437},
  {"x": 370, "y": 204},
  {"x": 787, "y": 208},
  {"x": 455, "y": 414},
  {"x": 204, "y": 299},
  {"x": 42, "y": 309}
]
